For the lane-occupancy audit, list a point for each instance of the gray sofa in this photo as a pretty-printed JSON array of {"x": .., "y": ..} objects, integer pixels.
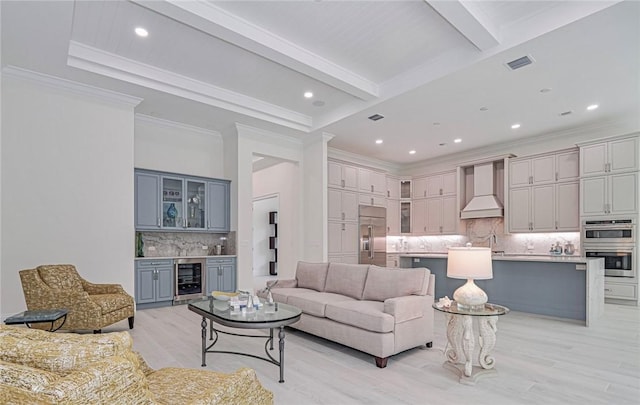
[{"x": 377, "y": 310}]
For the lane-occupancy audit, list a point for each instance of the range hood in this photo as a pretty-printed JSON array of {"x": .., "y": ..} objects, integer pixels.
[{"x": 484, "y": 203}]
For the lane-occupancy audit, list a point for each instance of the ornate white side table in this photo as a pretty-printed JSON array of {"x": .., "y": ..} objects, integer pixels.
[{"x": 461, "y": 340}]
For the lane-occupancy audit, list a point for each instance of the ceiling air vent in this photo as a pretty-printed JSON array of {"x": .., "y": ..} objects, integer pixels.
[
  {"x": 562, "y": 114},
  {"x": 376, "y": 117},
  {"x": 520, "y": 62}
]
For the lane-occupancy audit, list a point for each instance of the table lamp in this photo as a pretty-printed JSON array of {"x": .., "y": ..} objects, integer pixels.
[{"x": 472, "y": 263}]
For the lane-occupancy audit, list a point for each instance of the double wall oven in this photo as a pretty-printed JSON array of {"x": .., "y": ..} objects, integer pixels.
[{"x": 613, "y": 240}]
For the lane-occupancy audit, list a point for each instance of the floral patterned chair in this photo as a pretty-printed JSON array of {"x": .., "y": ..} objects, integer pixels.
[
  {"x": 91, "y": 306},
  {"x": 38, "y": 367}
]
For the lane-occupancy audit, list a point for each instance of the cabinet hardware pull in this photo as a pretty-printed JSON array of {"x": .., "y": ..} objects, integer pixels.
[
  {"x": 158, "y": 221},
  {"x": 424, "y": 193},
  {"x": 372, "y": 188},
  {"x": 342, "y": 183},
  {"x": 343, "y": 216},
  {"x": 607, "y": 289},
  {"x": 440, "y": 228},
  {"x": 530, "y": 179},
  {"x": 371, "y": 200},
  {"x": 343, "y": 228},
  {"x": 556, "y": 224},
  {"x": 440, "y": 191},
  {"x": 388, "y": 193},
  {"x": 556, "y": 176}
]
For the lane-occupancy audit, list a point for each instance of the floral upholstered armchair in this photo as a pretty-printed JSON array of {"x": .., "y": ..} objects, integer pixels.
[{"x": 91, "y": 306}]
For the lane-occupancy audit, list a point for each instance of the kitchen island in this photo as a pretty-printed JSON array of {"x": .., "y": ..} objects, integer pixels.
[{"x": 569, "y": 287}]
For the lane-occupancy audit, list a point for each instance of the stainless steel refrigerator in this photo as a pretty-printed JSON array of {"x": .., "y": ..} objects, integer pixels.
[{"x": 373, "y": 235}]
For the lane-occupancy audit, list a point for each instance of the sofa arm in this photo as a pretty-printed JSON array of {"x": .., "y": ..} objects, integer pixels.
[{"x": 405, "y": 308}]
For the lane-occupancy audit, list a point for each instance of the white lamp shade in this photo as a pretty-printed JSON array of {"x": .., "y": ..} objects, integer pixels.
[{"x": 469, "y": 263}]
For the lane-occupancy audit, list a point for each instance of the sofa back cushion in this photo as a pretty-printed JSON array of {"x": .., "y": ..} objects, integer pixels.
[
  {"x": 383, "y": 283},
  {"x": 346, "y": 279},
  {"x": 311, "y": 275}
]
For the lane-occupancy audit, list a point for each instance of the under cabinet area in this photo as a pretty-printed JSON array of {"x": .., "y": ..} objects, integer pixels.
[
  {"x": 173, "y": 202},
  {"x": 153, "y": 281},
  {"x": 221, "y": 274}
]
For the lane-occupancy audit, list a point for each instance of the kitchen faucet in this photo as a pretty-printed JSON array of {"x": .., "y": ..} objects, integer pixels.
[{"x": 493, "y": 241}]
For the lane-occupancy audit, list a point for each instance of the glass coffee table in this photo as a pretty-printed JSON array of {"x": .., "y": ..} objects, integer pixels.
[{"x": 266, "y": 317}]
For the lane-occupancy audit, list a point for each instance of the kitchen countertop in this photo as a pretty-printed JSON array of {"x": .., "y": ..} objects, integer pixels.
[
  {"x": 510, "y": 257},
  {"x": 183, "y": 257}
]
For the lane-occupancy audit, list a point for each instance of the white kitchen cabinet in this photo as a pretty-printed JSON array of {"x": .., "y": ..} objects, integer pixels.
[
  {"x": 544, "y": 208},
  {"x": 372, "y": 199},
  {"x": 613, "y": 156},
  {"x": 373, "y": 182},
  {"x": 434, "y": 216},
  {"x": 405, "y": 188},
  {"x": 544, "y": 169},
  {"x": 567, "y": 201},
  {"x": 419, "y": 187},
  {"x": 393, "y": 217},
  {"x": 393, "y": 260},
  {"x": 343, "y": 205},
  {"x": 405, "y": 217},
  {"x": 622, "y": 291},
  {"x": 342, "y": 176},
  {"x": 343, "y": 238},
  {"x": 609, "y": 195},
  {"x": 441, "y": 184},
  {"x": 393, "y": 187}
]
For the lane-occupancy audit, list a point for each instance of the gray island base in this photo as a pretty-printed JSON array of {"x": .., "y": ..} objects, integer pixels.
[{"x": 563, "y": 287}]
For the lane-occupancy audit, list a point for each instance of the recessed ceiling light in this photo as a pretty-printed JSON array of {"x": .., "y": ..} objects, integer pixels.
[
  {"x": 308, "y": 94},
  {"x": 141, "y": 32},
  {"x": 412, "y": 152},
  {"x": 515, "y": 126},
  {"x": 318, "y": 103},
  {"x": 484, "y": 108},
  {"x": 592, "y": 107},
  {"x": 378, "y": 141},
  {"x": 545, "y": 90},
  {"x": 457, "y": 140}
]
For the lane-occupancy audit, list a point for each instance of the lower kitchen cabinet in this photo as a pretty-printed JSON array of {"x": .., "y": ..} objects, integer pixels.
[
  {"x": 154, "y": 281},
  {"x": 221, "y": 275}
]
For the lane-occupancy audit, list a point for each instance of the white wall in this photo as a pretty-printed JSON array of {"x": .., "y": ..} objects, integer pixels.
[
  {"x": 283, "y": 179},
  {"x": 315, "y": 182},
  {"x": 178, "y": 148},
  {"x": 67, "y": 184}
]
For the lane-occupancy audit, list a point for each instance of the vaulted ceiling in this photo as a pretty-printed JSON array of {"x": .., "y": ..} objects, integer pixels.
[{"x": 436, "y": 70}]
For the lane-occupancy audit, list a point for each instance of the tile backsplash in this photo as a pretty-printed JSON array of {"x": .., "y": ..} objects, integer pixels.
[
  {"x": 478, "y": 232},
  {"x": 174, "y": 244}
]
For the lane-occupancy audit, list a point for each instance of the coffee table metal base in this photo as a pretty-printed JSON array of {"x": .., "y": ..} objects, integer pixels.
[{"x": 267, "y": 346}]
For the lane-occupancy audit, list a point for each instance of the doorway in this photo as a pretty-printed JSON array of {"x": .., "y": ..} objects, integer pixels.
[{"x": 262, "y": 230}]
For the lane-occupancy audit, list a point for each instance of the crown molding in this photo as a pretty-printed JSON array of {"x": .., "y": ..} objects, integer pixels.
[
  {"x": 260, "y": 134},
  {"x": 54, "y": 82},
  {"x": 338, "y": 154},
  {"x": 147, "y": 119},
  {"x": 98, "y": 61}
]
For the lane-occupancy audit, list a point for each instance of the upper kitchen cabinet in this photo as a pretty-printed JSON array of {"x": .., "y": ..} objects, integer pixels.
[
  {"x": 218, "y": 217},
  {"x": 147, "y": 201},
  {"x": 405, "y": 189},
  {"x": 419, "y": 187},
  {"x": 609, "y": 195},
  {"x": 613, "y": 156},
  {"x": 167, "y": 201},
  {"x": 393, "y": 188},
  {"x": 370, "y": 181},
  {"x": 342, "y": 176},
  {"x": 441, "y": 185},
  {"x": 544, "y": 169}
]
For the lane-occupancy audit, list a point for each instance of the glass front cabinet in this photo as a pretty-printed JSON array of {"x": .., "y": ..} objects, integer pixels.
[{"x": 173, "y": 202}]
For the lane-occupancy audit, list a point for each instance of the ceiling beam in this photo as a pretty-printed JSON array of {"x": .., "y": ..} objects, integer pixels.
[
  {"x": 467, "y": 23},
  {"x": 208, "y": 18}
]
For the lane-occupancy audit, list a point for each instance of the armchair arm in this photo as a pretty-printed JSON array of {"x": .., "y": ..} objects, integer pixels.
[
  {"x": 405, "y": 308},
  {"x": 93, "y": 289},
  {"x": 110, "y": 381}
]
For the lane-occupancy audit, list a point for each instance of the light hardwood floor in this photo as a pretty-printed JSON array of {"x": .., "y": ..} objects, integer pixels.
[{"x": 540, "y": 360}]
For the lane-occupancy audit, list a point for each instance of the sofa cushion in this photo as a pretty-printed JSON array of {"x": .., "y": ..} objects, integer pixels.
[
  {"x": 25, "y": 377},
  {"x": 282, "y": 294},
  {"x": 314, "y": 303},
  {"x": 383, "y": 283},
  {"x": 312, "y": 275},
  {"x": 346, "y": 279},
  {"x": 367, "y": 315}
]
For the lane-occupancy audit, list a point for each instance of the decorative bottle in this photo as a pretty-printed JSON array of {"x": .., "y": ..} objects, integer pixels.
[
  {"x": 172, "y": 211},
  {"x": 139, "y": 245}
]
